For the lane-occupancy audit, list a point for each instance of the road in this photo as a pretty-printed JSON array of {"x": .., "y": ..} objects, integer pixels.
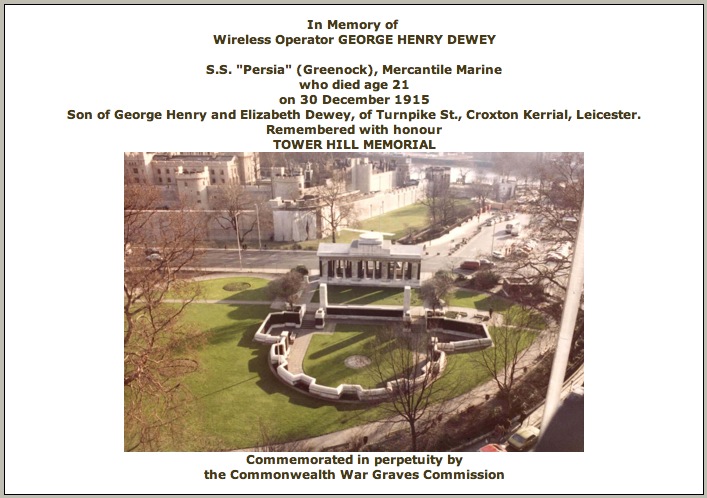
[
  {"x": 269, "y": 260},
  {"x": 478, "y": 246},
  {"x": 435, "y": 256}
]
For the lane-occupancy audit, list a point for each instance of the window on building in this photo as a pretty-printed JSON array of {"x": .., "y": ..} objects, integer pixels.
[
  {"x": 203, "y": 182},
  {"x": 213, "y": 180},
  {"x": 199, "y": 201},
  {"x": 160, "y": 179},
  {"x": 221, "y": 172},
  {"x": 159, "y": 171},
  {"x": 167, "y": 171},
  {"x": 169, "y": 180},
  {"x": 134, "y": 170},
  {"x": 185, "y": 184},
  {"x": 137, "y": 179},
  {"x": 223, "y": 181}
]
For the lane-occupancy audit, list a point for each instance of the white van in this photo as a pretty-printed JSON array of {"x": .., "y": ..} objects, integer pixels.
[{"x": 515, "y": 224}]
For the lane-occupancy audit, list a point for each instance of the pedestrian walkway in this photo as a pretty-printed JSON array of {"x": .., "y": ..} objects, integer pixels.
[
  {"x": 221, "y": 301},
  {"x": 295, "y": 360},
  {"x": 458, "y": 232},
  {"x": 236, "y": 271}
]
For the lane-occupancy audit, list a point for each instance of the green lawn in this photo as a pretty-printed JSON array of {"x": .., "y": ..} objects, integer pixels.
[
  {"x": 339, "y": 294},
  {"x": 482, "y": 301},
  {"x": 478, "y": 300},
  {"x": 326, "y": 354},
  {"x": 246, "y": 289},
  {"x": 254, "y": 289},
  {"x": 398, "y": 222},
  {"x": 237, "y": 393}
]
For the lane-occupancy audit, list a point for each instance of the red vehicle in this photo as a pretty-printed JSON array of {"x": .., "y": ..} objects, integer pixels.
[
  {"x": 493, "y": 447},
  {"x": 470, "y": 265}
]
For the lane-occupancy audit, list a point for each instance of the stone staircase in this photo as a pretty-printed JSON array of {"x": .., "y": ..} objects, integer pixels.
[{"x": 308, "y": 321}]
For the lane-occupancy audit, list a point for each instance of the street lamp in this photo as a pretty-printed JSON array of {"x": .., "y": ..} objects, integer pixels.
[
  {"x": 238, "y": 241},
  {"x": 493, "y": 230},
  {"x": 257, "y": 218}
]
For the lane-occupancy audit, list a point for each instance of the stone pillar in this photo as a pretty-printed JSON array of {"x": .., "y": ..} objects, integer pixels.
[
  {"x": 323, "y": 297},
  {"x": 325, "y": 269},
  {"x": 406, "y": 299},
  {"x": 402, "y": 270},
  {"x": 384, "y": 272},
  {"x": 415, "y": 271}
]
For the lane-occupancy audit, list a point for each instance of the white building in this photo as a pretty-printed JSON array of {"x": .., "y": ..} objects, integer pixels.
[{"x": 370, "y": 260}]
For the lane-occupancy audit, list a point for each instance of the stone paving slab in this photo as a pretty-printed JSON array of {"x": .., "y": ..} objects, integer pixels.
[{"x": 299, "y": 348}]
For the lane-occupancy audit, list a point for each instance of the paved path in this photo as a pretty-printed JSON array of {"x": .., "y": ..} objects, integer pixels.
[
  {"x": 219, "y": 301},
  {"x": 298, "y": 350}
]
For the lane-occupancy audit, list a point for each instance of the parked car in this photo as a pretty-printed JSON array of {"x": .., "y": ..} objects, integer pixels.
[
  {"x": 523, "y": 439},
  {"x": 486, "y": 263},
  {"x": 473, "y": 264},
  {"x": 498, "y": 254},
  {"x": 155, "y": 256},
  {"x": 493, "y": 447}
]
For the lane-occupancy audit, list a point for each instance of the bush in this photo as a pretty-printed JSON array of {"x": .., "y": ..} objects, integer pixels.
[
  {"x": 301, "y": 269},
  {"x": 484, "y": 280},
  {"x": 236, "y": 286},
  {"x": 286, "y": 287}
]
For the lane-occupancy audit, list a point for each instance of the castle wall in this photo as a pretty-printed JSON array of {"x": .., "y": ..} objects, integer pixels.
[{"x": 294, "y": 225}]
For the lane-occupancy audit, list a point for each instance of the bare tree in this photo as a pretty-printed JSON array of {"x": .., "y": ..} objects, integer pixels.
[
  {"x": 336, "y": 209},
  {"x": 435, "y": 291},
  {"x": 287, "y": 287},
  {"x": 406, "y": 361},
  {"x": 157, "y": 342},
  {"x": 512, "y": 339},
  {"x": 480, "y": 191},
  {"x": 464, "y": 173},
  {"x": 555, "y": 210},
  {"x": 237, "y": 209},
  {"x": 440, "y": 202}
]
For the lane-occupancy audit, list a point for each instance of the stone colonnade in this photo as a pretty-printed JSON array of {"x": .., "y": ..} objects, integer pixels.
[{"x": 332, "y": 269}]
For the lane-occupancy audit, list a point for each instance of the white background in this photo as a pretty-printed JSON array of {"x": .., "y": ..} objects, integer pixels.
[{"x": 644, "y": 192}]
